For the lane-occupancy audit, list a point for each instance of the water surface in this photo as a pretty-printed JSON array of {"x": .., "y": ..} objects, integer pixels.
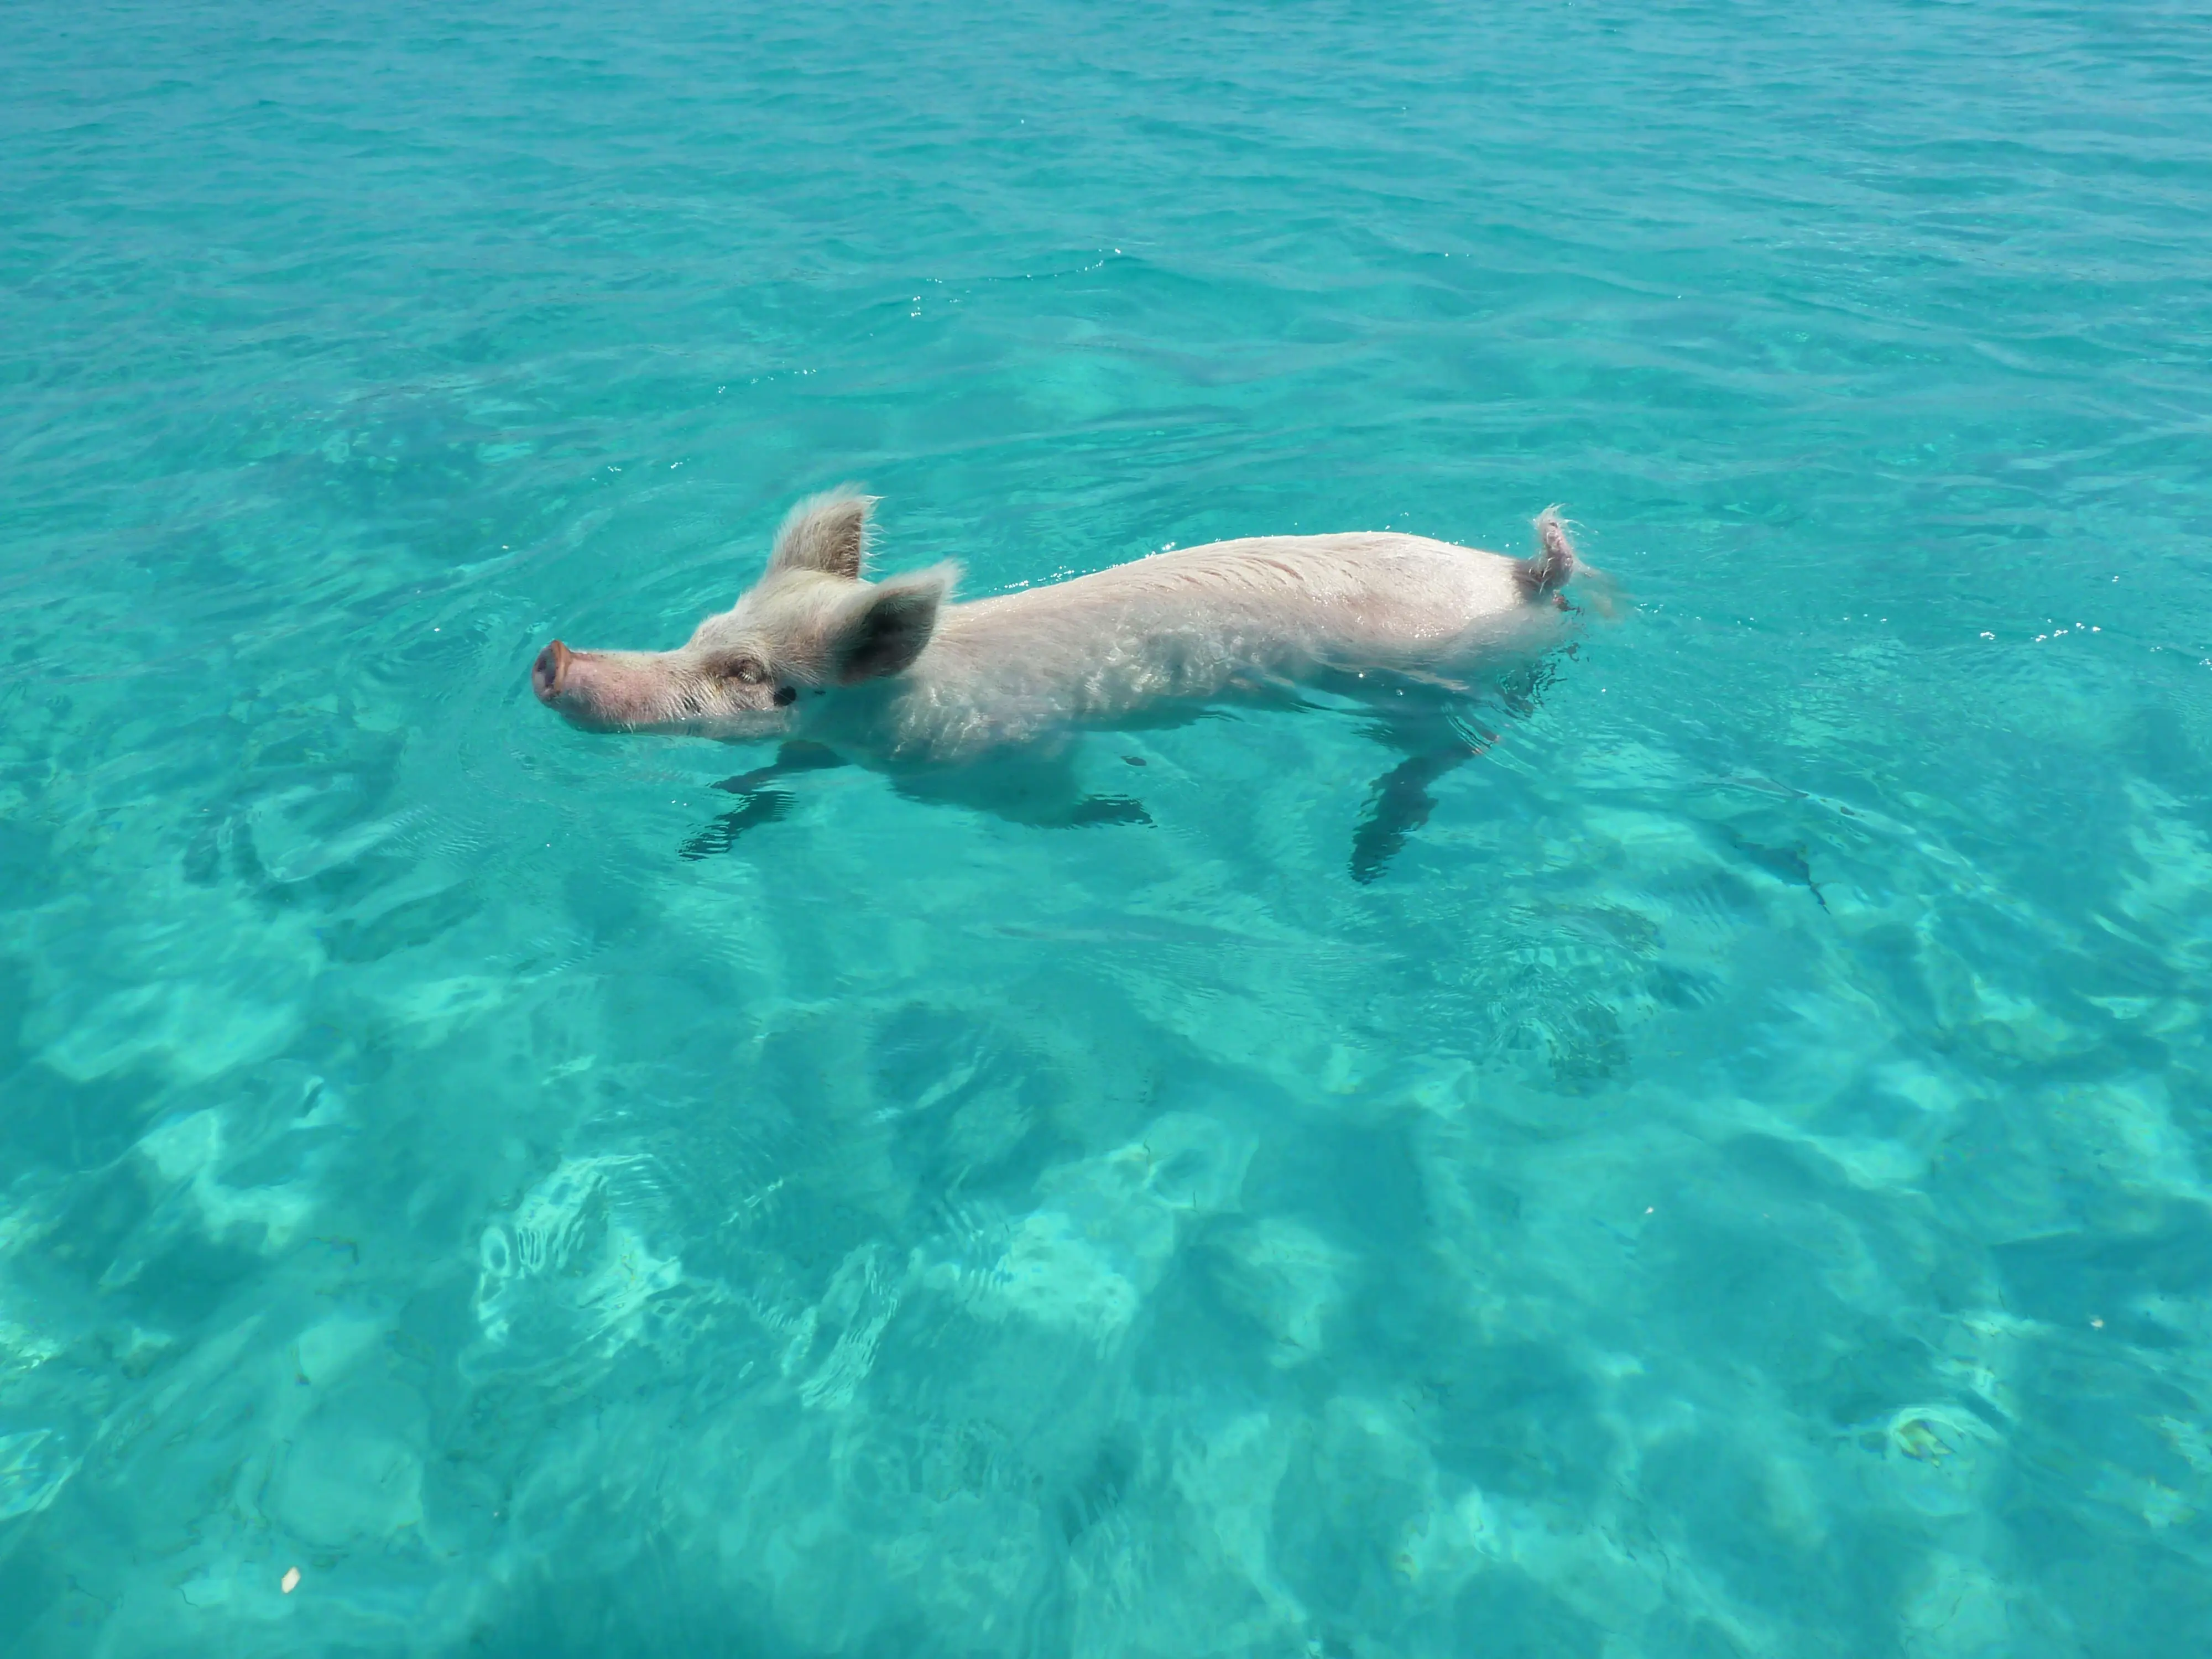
[{"x": 1733, "y": 1185}]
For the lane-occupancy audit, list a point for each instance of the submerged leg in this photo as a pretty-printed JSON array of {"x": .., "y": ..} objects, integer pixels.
[
  {"x": 763, "y": 806},
  {"x": 1435, "y": 736},
  {"x": 1401, "y": 803},
  {"x": 1106, "y": 809},
  {"x": 758, "y": 805},
  {"x": 1038, "y": 789},
  {"x": 800, "y": 756},
  {"x": 1038, "y": 811}
]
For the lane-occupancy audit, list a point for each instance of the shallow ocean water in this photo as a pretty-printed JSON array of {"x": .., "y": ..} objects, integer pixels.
[{"x": 1735, "y": 1185}]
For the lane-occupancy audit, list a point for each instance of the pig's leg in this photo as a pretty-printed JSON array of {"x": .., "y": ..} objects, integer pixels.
[
  {"x": 1400, "y": 802},
  {"x": 764, "y": 806},
  {"x": 1039, "y": 789},
  {"x": 1104, "y": 809},
  {"x": 792, "y": 757},
  {"x": 1435, "y": 731},
  {"x": 760, "y": 805}
]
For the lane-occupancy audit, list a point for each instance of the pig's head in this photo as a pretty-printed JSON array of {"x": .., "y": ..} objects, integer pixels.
[{"x": 811, "y": 625}]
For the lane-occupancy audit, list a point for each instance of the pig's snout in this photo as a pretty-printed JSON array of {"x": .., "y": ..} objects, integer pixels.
[{"x": 550, "y": 671}]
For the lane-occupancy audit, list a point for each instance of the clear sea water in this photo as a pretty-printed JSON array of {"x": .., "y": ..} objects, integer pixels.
[{"x": 1735, "y": 1185}]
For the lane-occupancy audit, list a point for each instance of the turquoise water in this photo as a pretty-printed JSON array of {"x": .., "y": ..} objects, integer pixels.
[{"x": 1735, "y": 1183}]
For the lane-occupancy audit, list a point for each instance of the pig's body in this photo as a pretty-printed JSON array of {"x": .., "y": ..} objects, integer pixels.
[
  {"x": 1189, "y": 627},
  {"x": 971, "y": 700}
]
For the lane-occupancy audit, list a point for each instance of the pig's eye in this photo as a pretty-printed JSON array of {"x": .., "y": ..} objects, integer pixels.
[{"x": 746, "y": 670}]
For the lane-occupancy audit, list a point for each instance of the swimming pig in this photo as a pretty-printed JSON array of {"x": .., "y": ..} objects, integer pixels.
[{"x": 976, "y": 701}]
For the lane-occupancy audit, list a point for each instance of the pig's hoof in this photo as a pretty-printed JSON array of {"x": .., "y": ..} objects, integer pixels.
[
  {"x": 1373, "y": 845},
  {"x": 765, "y": 806},
  {"x": 1108, "y": 808}
]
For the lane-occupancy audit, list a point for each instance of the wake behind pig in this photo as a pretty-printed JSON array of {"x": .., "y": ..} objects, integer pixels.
[{"x": 979, "y": 702}]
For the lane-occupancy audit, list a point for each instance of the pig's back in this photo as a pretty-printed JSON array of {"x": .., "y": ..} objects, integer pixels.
[
  {"x": 1356, "y": 599},
  {"x": 1364, "y": 599}
]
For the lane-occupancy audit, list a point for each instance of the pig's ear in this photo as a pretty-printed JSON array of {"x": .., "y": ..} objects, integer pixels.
[
  {"x": 828, "y": 533},
  {"x": 885, "y": 632}
]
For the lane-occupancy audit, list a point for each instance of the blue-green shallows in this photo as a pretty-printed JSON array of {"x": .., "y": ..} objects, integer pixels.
[{"x": 1735, "y": 1184}]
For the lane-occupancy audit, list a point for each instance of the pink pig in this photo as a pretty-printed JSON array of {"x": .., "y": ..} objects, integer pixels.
[{"x": 977, "y": 700}]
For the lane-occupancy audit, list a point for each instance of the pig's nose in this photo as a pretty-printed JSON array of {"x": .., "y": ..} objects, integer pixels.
[{"x": 549, "y": 670}]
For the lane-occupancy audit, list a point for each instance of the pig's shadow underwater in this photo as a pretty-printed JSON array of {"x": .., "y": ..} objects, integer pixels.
[{"x": 1438, "y": 727}]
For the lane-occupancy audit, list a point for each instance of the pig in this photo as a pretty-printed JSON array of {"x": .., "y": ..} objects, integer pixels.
[{"x": 979, "y": 702}]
